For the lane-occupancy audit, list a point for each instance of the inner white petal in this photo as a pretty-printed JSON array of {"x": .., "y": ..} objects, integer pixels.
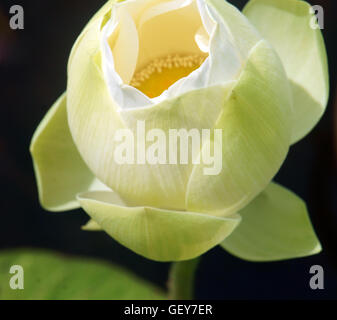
[
  {"x": 125, "y": 50},
  {"x": 202, "y": 39},
  {"x": 162, "y": 8},
  {"x": 169, "y": 32},
  {"x": 143, "y": 30}
]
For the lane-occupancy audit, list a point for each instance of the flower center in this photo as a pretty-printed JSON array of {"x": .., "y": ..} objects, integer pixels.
[{"x": 161, "y": 73}]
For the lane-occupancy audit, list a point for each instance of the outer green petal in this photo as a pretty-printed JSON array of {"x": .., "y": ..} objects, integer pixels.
[
  {"x": 274, "y": 226},
  {"x": 256, "y": 128},
  {"x": 193, "y": 110},
  {"x": 286, "y": 25},
  {"x": 60, "y": 170},
  {"x": 157, "y": 234}
]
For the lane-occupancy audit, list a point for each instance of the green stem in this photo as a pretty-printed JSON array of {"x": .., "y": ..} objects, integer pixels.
[{"x": 181, "y": 279}]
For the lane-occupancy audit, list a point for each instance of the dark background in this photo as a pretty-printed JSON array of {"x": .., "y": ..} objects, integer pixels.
[{"x": 33, "y": 74}]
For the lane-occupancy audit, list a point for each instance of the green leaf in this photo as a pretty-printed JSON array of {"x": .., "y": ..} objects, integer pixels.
[
  {"x": 50, "y": 276},
  {"x": 157, "y": 234},
  {"x": 256, "y": 128},
  {"x": 286, "y": 25},
  {"x": 275, "y": 226},
  {"x": 59, "y": 168}
]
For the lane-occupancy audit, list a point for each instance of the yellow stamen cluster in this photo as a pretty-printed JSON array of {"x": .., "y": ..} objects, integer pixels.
[{"x": 161, "y": 73}]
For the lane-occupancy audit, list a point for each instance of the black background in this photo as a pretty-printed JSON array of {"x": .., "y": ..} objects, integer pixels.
[{"x": 33, "y": 74}]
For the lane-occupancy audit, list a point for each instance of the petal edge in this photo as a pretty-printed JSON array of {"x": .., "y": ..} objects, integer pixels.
[
  {"x": 286, "y": 25},
  {"x": 157, "y": 234},
  {"x": 60, "y": 171},
  {"x": 275, "y": 226}
]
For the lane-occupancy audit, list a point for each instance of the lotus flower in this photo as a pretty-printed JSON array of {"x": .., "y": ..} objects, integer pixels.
[{"x": 259, "y": 77}]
